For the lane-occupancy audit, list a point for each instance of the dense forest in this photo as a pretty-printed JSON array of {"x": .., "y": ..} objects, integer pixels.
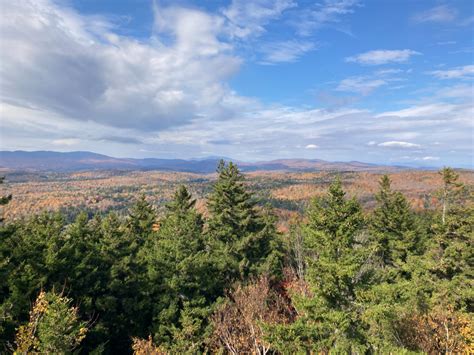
[{"x": 342, "y": 280}]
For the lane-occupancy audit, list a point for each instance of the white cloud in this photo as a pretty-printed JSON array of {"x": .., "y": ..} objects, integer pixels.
[
  {"x": 73, "y": 65},
  {"x": 66, "y": 142},
  {"x": 383, "y": 56},
  {"x": 430, "y": 158},
  {"x": 463, "y": 91},
  {"x": 248, "y": 18},
  {"x": 397, "y": 144},
  {"x": 445, "y": 43},
  {"x": 286, "y": 51},
  {"x": 435, "y": 111},
  {"x": 384, "y": 72},
  {"x": 311, "y": 146},
  {"x": 439, "y": 14},
  {"x": 360, "y": 84},
  {"x": 324, "y": 14},
  {"x": 466, "y": 71},
  {"x": 168, "y": 95}
]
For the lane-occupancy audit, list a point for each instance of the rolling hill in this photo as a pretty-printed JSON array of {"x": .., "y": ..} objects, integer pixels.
[{"x": 80, "y": 161}]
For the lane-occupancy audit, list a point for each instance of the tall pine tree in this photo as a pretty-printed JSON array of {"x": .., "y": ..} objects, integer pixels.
[
  {"x": 392, "y": 227},
  {"x": 243, "y": 235},
  {"x": 329, "y": 314},
  {"x": 180, "y": 276}
]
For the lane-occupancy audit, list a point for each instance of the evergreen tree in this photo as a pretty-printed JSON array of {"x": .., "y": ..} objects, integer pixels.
[
  {"x": 28, "y": 268},
  {"x": 127, "y": 291},
  {"x": 244, "y": 236},
  {"x": 141, "y": 219},
  {"x": 451, "y": 187},
  {"x": 450, "y": 259},
  {"x": 392, "y": 227},
  {"x": 329, "y": 313},
  {"x": 180, "y": 276}
]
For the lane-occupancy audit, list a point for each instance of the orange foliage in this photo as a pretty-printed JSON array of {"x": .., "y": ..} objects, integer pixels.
[
  {"x": 441, "y": 331},
  {"x": 146, "y": 347}
]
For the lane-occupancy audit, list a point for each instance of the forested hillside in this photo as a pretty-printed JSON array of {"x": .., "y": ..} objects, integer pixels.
[{"x": 343, "y": 279}]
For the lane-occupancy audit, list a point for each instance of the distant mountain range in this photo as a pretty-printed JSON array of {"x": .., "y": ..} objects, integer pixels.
[{"x": 79, "y": 161}]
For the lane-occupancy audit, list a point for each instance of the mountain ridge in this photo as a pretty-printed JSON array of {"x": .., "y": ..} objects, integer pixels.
[{"x": 84, "y": 160}]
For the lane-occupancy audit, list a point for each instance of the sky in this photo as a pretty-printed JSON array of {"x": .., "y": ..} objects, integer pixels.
[{"x": 379, "y": 81}]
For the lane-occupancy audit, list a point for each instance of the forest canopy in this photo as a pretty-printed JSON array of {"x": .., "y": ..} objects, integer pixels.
[{"x": 342, "y": 280}]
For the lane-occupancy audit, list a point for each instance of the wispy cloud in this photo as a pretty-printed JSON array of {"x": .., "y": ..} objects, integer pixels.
[
  {"x": 446, "y": 43},
  {"x": 398, "y": 144},
  {"x": 466, "y": 71},
  {"x": 248, "y": 18},
  {"x": 383, "y": 56},
  {"x": 170, "y": 94},
  {"x": 360, "y": 84},
  {"x": 286, "y": 51},
  {"x": 439, "y": 14},
  {"x": 329, "y": 12},
  {"x": 427, "y": 110}
]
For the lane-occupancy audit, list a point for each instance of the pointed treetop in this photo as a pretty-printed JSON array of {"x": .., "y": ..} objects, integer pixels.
[
  {"x": 450, "y": 177},
  {"x": 182, "y": 200}
]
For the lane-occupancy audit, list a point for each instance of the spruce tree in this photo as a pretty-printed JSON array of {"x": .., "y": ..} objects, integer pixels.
[
  {"x": 128, "y": 285},
  {"x": 392, "y": 227},
  {"x": 243, "y": 236},
  {"x": 329, "y": 313},
  {"x": 180, "y": 276},
  {"x": 451, "y": 188},
  {"x": 450, "y": 259},
  {"x": 140, "y": 222}
]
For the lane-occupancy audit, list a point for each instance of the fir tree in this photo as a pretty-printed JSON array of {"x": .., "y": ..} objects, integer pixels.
[
  {"x": 392, "y": 226},
  {"x": 329, "y": 315},
  {"x": 141, "y": 219},
  {"x": 450, "y": 259},
  {"x": 180, "y": 276},
  {"x": 245, "y": 237},
  {"x": 128, "y": 293},
  {"x": 451, "y": 187}
]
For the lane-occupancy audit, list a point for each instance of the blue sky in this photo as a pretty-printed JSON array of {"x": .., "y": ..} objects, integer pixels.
[{"x": 379, "y": 81}]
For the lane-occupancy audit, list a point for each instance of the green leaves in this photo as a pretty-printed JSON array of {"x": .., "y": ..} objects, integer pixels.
[
  {"x": 394, "y": 235},
  {"x": 54, "y": 327},
  {"x": 389, "y": 281}
]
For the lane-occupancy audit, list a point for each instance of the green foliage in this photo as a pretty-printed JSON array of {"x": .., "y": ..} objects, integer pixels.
[
  {"x": 335, "y": 271},
  {"x": 451, "y": 188},
  {"x": 54, "y": 327},
  {"x": 390, "y": 281},
  {"x": 450, "y": 259},
  {"x": 393, "y": 231},
  {"x": 244, "y": 236},
  {"x": 180, "y": 274}
]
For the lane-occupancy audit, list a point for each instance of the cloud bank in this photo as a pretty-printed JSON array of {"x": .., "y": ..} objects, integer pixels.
[{"x": 71, "y": 81}]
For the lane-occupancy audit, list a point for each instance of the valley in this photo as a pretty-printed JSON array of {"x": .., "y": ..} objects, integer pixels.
[{"x": 287, "y": 192}]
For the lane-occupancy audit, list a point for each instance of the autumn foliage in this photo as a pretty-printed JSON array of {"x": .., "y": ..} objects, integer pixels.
[{"x": 351, "y": 263}]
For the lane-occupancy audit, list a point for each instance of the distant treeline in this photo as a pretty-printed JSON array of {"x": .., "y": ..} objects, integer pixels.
[{"x": 342, "y": 280}]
